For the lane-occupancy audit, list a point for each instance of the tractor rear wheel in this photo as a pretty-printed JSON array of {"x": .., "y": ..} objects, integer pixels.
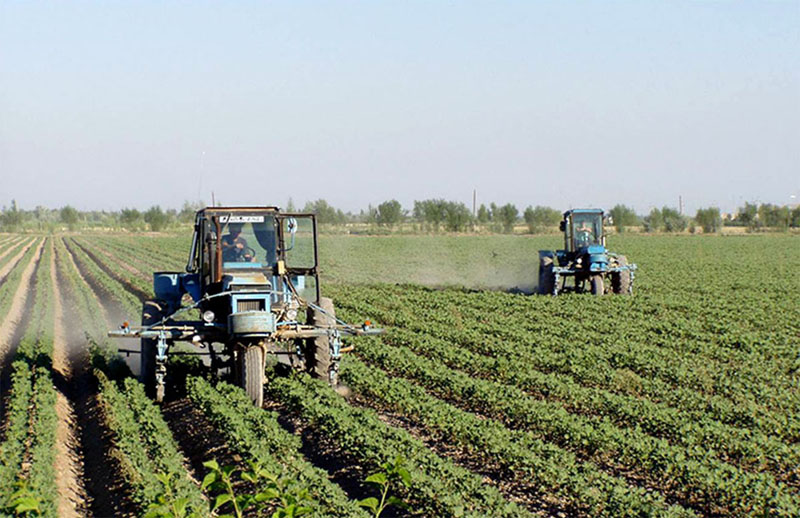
[
  {"x": 251, "y": 368},
  {"x": 621, "y": 281},
  {"x": 152, "y": 312},
  {"x": 318, "y": 355},
  {"x": 547, "y": 278},
  {"x": 597, "y": 285}
]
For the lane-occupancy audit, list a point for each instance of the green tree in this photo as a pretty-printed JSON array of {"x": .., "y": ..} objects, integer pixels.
[
  {"x": 623, "y": 216},
  {"x": 774, "y": 216},
  {"x": 326, "y": 214},
  {"x": 389, "y": 213},
  {"x": 483, "y": 214},
  {"x": 130, "y": 218},
  {"x": 456, "y": 216},
  {"x": 430, "y": 212},
  {"x": 748, "y": 215},
  {"x": 69, "y": 216},
  {"x": 156, "y": 218},
  {"x": 654, "y": 221},
  {"x": 795, "y": 217},
  {"x": 11, "y": 219},
  {"x": 710, "y": 219},
  {"x": 540, "y": 217},
  {"x": 188, "y": 211},
  {"x": 674, "y": 221},
  {"x": 508, "y": 216}
]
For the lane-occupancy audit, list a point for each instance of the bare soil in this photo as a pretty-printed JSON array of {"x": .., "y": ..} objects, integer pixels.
[
  {"x": 68, "y": 466},
  {"x": 104, "y": 491},
  {"x": 4, "y": 271}
]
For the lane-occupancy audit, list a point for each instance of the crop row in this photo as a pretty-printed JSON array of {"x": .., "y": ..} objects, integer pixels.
[
  {"x": 10, "y": 282},
  {"x": 146, "y": 448},
  {"x": 10, "y": 250},
  {"x": 703, "y": 479},
  {"x": 28, "y": 452},
  {"x": 438, "y": 487},
  {"x": 130, "y": 303},
  {"x": 553, "y": 472},
  {"x": 135, "y": 284},
  {"x": 749, "y": 449},
  {"x": 146, "y": 445},
  {"x": 582, "y": 363},
  {"x": 256, "y": 435}
]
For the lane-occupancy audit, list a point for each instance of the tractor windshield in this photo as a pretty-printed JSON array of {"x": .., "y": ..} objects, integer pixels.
[
  {"x": 587, "y": 229},
  {"x": 248, "y": 241}
]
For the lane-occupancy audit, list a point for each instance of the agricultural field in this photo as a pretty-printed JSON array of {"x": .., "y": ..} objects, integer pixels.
[{"x": 480, "y": 400}]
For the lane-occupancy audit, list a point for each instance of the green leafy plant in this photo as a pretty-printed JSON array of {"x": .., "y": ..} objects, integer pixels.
[
  {"x": 23, "y": 502},
  {"x": 168, "y": 504},
  {"x": 392, "y": 475},
  {"x": 288, "y": 500}
]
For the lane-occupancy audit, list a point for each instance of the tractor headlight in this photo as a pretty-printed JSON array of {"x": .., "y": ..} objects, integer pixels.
[
  {"x": 208, "y": 316},
  {"x": 291, "y": 314}
]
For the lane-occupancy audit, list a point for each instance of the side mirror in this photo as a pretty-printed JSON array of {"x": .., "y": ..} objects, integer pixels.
[
  {"x": 291, "y": 226},
  {"x": 562, "y": 226}
]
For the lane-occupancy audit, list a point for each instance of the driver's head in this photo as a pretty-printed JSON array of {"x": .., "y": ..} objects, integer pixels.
[{"x": 236, "y": 229}]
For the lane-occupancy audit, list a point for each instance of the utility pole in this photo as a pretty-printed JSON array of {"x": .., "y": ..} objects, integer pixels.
[
  {"x": 213, "y": 203},
  {"x": 474, "y": 202},
  {"x": 680, "y": 204}
]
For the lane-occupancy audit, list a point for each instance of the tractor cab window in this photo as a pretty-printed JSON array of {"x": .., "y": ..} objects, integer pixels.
[
  {"x": 248, "y": 241},
  {"x": 587, "y": 229},
  {"x": 298, "y": 236}
]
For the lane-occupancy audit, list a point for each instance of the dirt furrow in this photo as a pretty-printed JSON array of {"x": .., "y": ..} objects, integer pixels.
[
  {"x": 70, "y": 256},
  {"x": 68, "y": 468},
  {"x": 126, "y": 283},
  {"x": 4, "y": 271},
  {"x": 106, "y": 492},
  {"x": 16, "y": 311}
]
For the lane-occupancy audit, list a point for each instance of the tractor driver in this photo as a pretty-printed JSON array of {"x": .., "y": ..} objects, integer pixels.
[
  {"x": 584, "y": 233},
  {"x": 234, "y": 246}
]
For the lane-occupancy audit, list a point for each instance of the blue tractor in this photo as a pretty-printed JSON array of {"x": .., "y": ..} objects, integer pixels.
[
  {"x": 585, "y": 259},
  {"x": 252, "y": 285}
]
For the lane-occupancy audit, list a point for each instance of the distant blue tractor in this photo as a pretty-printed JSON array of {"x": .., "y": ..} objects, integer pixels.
[{"x": 584, "y": 259}]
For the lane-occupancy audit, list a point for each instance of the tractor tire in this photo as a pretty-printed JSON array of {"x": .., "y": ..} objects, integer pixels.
[
  {"x": 318, "y": 350},
  {"x": 252, "y": 373},
  {"x": 597, "y": 285},
  {"x": 621, "y": 281},
  {"x": 152, "y": 311},
  {"x": 547, "y": 278}
]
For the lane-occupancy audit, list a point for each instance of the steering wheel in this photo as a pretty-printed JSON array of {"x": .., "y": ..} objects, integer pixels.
[{"x": 247, "y": 251}]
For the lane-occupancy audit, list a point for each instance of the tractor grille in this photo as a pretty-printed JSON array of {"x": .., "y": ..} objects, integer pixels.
[{"x": 250, "y": 305}]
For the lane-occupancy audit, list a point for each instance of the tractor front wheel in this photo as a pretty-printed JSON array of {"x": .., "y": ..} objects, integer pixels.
[
  {"x": 621, "y": 281},
  {"x": 318, "y": 351},
  {"x": 597, "y": 285},
  {"x": 251, "y": 370}
]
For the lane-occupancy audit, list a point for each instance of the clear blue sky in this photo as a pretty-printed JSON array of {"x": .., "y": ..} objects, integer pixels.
[{"x": 109, "y": 104}]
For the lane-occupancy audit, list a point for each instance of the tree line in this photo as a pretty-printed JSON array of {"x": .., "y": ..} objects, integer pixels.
[{"x": 430, "y": 215}]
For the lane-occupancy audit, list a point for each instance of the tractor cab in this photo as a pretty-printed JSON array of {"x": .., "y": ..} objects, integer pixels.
[
  {"x": 582, "y": 228},
  {"x": 255, "y": 251}
]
